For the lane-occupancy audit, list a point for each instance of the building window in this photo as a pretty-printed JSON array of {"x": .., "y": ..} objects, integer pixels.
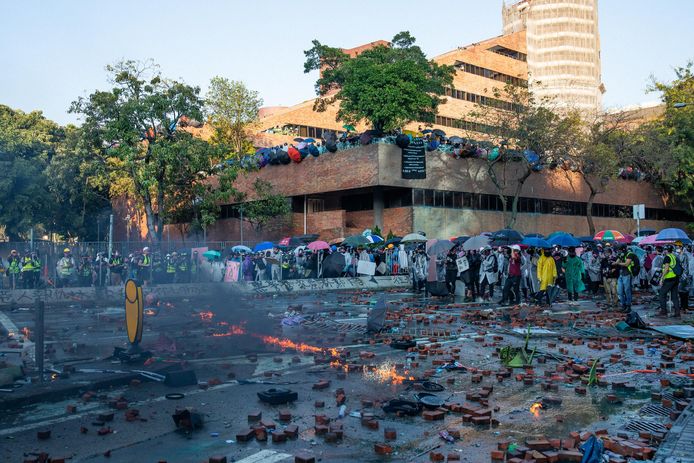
[
  {"x": 508, "y": 53},
  {"x": 489, "y": 74}
]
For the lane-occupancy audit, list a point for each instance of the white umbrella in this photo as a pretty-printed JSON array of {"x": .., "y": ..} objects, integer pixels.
[
  {"x": 414, "y": 238},
  {"x": 476, "y": 242}
]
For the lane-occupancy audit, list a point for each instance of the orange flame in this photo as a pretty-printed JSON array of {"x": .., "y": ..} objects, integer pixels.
[
  {"x": 285, "y": 344},
  {"x": 386, "y": 373},
  {"x": 535, "y": 409},
  {"x": 232, "y": 330},
  {"x": 206, "y": 316}
]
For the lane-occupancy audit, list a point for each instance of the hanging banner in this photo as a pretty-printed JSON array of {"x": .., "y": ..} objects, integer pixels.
[{"x": 414, "y": 160}]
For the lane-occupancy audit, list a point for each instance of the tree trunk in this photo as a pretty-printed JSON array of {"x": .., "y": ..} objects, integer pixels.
[
  {"x": 516, "y": 195},
  {"x": 151, "y": 227},
  {"x": 589, "y": 212}
]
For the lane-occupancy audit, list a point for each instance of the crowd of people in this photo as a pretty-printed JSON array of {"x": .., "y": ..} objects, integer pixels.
[
  {"x": 524, "y": 275},
  {"x": 503, "y": 274}
]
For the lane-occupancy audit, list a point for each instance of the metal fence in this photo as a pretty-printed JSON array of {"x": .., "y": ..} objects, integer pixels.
[{"x": 50, "y": 252}]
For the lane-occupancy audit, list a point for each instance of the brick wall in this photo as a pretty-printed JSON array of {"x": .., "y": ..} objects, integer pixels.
[{"x": 444, "y": 223}]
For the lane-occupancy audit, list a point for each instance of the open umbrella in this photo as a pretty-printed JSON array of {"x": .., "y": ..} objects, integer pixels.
[
  {"x": 455, "y": 139},
  {"x": 374, "y": 239},
  {"x": 211, "y": 254},
  {"x": 309, "y": 140},
  {"x": 264, "y": 246},
  {"x": 534, "y": 242},
  {"x": 394, "y": 241},
  {"x": 653, "y": 241},
  {"x": 318, "y": 245},
  {"x": 638, "y": 251},
  {"x": 627, "y": 238},
  {"x": 349, "y": 127},
  {"x": 425, "y": 131},
  {"x": 333, "y": 265},
  {"x": 553, "y": 234},
  {"x": 586, "y": 239},
  {"x": 673, "y": 234},
  {"x": 241, "y": 248},
  {"x": 459, "y": 239},
  {"x": 284, "y": 241},
  {"x": 506, "y": 236},
  {"x": 438, "y": 133},
  {"x": 413, "y": 238},
  {"x": 609, "y": 235},
  {"x": 534, "y": 235},
  {"x": 564, "y": 241},
  {"x": 356, "y": 240},
  {"x": 298, "y": 139},
  {"x": 476, "y": 242},
  {"x": 337, "y": 240},
  {"x": 436, "y": 247}
]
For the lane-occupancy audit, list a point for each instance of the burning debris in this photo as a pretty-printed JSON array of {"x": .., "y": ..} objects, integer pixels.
[
  {"x": 535, "y": 409},
  {"x": 386, "y": 373},
  {"x": 285, "y": 344},
  {"x": 232, "y": 330}
]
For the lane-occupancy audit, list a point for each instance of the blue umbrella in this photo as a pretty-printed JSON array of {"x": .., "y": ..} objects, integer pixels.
[
  {"x": 211, "y": 254},
  {"x": 673, "y": 234},
  {"x": 374, "y": 238},
  {"x": 309, "y": 140},
  {"x": 534, "y": 242},
  {"x": 564, "y": 241},
  {"x": 264, "y": 246},
  {"x": 557, "y": 233},
  {"x": 241, "y": 248},
  {"x": 586, "y": 239}
]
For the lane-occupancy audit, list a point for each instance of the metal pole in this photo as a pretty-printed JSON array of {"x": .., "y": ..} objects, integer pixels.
[
  {"x": 110, "y": 248},
  {"x": 305, "y": 212},
  {"x": 241, "y": 224},
  {"x": 31, "y": 239},
  {"x": 39, "y": 346}
]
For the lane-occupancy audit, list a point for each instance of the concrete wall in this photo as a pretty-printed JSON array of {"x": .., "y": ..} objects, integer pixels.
[
  {"x": 447, "y": 173},
  {"x": 114, "y": 295}
]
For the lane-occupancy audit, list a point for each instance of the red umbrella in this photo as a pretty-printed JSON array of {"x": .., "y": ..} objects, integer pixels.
[
  {"x": 294, "y": 154},
  {"x": 627, "y": 238},
  {"x": 318, "y": 245},
  {"x": 284, "y": 241}
]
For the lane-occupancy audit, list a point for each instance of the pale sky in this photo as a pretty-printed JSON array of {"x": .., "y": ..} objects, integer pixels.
[{"x": 52, "y": 52}]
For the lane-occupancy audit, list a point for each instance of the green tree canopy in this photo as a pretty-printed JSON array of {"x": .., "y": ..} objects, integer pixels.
[
  {"x": 672, "y": 137},
  {"x": 135, "y": 127},
  {"x": 267, "y": 206},
  {"x": 233, "y": 110},
  {"x": 78, "y": 196},
  {"x": 527, "y": 124},
  {"x": 27, "y": 144},
  {"x": 388, "y": 86}
]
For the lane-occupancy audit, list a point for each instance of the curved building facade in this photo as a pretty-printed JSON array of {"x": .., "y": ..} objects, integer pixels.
[{"x": 563, "y": 49}]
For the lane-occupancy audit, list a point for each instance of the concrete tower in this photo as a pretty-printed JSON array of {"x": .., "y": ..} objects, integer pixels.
[{"x": 563, "y": 49}]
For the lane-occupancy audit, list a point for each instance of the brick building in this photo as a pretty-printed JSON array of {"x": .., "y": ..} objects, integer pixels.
[{"x": 343, "y": 193}]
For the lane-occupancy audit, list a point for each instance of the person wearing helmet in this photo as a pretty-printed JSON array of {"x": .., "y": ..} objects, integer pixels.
[
  {"x": 144, "y": 265},
  {"x": 66, "y": 269},
  {"x": 669, "y": 282},
  {"x": 14, "y": 268},
  {"x": 116, "y": 267}
]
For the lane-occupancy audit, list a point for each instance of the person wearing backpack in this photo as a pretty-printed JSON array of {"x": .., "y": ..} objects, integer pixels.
[{"x": 669, "y": 282}]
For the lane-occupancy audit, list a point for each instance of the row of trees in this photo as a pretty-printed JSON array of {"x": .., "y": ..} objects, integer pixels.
[
  {"x": 389, "y": 86},
  {"x": 136, "y": 143}
]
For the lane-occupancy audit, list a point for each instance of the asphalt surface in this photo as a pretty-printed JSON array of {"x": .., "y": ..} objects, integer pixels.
[{"x": 219, "y": 338}]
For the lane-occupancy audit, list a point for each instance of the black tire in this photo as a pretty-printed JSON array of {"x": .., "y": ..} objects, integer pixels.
[{"x": 276, "y": 396}]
